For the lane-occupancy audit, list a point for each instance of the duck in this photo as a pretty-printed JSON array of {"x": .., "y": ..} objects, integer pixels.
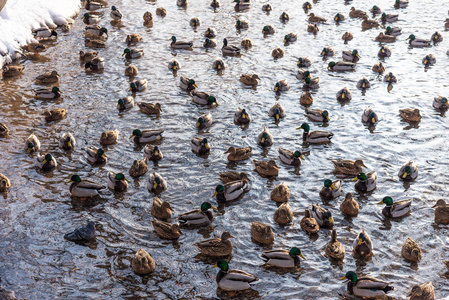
[
  {"x": 166, "y": 230},
  {"x": 96, "y": 30},
  {"x": 352, "y": 56},
  {"x": 139, "y": 167},
  {"x": 44, "y": 32},
  {"x": 146, "y": 136},
  {"x": 429, "y": 60},
  {"x": 289, "y": 157},
  {"x": 174, "y": 65},
  {"x": 410, "y": 114},
  {"x": 290, "y": 38},
  {"x": 312, "y": 28},
  {"x": 344, "y": 95},
  {"x": 393, "y": 31},
  {"x": 149, "y": 108},
  {"x": 115, "y": 14},
  {"x": 347, "y": 36},
  {"x": 277, "y": 53},
  {"x": 357, "y": 13},
  {"x": 48, "y": 78},
  {"x": 316, "y": 19},
  {"x": 218, "y": 64},
  {"x": 241, "y": 5},
  {"x": 436, "y": 37},
  {"x": 181, "y": 3},
  {"x": 187, "y": 84},
  {"x": 195, "y": 22},
  {"x": 311, "y": 84},
  {"x": 349, "y": 206},
  {"x": 408, "y": 171},
  {"x": 109, "y": 137},
  {"x": 268, "y": 29},
  {"x": 369, "y": 116},
  {"x": 424, "y": 291},
  {"x": 54, "y": 93},
  {"x": 349, "y": 167},
  {"x": 230, "y": 191},
  {"x": 378, "y": 68},
  {"x": 204, "y": 121},
  {"x": 306, "y": 98},
  {"x": 363, "y": 84},
  {"x": 306, "y": 6},
  {"x": 242, "y": 117},
  {"x": 241, "y": 24},
  {"x": 366, "y": 182},
  {"x": 229, "y": 49},
  {"x": 322, "y": 216},
  {"x": 239, "y": 153},
  {"x": 160, "y": 11},
  {"x": 280, "y": 193},
  {"x": 215, "y": 4},
  {"x": 284, "y": 17},
  {"x": 34, "y": 48},
  {"x": 308, "y": 223},
  {"x": 277, "y": 111},
  {"x": 156, "y": 183},
  {"x": 210, "y": 32},
  {"x": 267, "y": 7},
  {"x": 91, "y": 5},
  {"x": 148, "y": 18},
  {"x": 265, "y": 138},
  {"x": 261, "y": 233},
  {"x": 32, "y": 144},
  {"x": 117, "y": 182},
  {"x": 315, "y": 137},
  {"x": 327, "y": 52},
  {"x": 304, "y": 62},
  {"x": 366, "y": 287},
  {"x": 390, "y": 78},
  {"x": 414, "y": 42},
  {"x": 389, "y": 18},
  {"x": 142, "y": 263},
  {"x": 4, "y": 130},
  {"x": 83, "y": 188},
  {"x": 440, "y": 102},
  {"x": 95, "y": 43},
  {"x": 87, "y": 56},
  {"x": 161, "y": 210},
  {"x": 67, "y": 141},
  {"x": 132, "y": 53},
  {"x": 180, "y": 44},
  {"x": 216, "y": 247},
  {"x": 209, "y": 43},
  {"x": 138, "y": 85},
  {"x": 362, "y": 245},
  {"x": 384, "y": 51},
  {"x": 331, "y": 189},
  {"x": 302, "y": 74},
  {"x": 341, "y": 66},
  {"x": 97, "y": 63},
  {"x": 200, "y": 145},
  {"x": 411, "y": 251},
  {"x": 334, "y": 248},
  {"x": 5, "y": 184},
  {"x": 396, "y": 209},
  {"x": 55, "y": 114},
  {"x": 152, "y": 152},
  {"x": 368, "y": 24},
  {"x": 82, "y": 234},
  {"x": 400, "y": 4},
  {"x": 266, "y": 168},
  {"x": 375, "y": 10},
  {"x": 90, "y": 19},
  {"x": 283, "y": 214},
  {"x": 339, "y": 18},
  {"x": 197, "y": 217},
  {"x": 283, "y": 258},
  {"x": 231, "y": 176},
  {"x": 11, "y": 71},
  {"x": 125, "y": 103},
  {"x": 96, "y": 155},
  {"x": 441, "y": 212},
  {"x": 233, "y": 280},
  {"x": 249, "y": 79}
]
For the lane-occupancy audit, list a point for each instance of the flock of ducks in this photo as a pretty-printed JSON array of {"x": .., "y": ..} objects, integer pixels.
[{"x": 236, "y": 184}]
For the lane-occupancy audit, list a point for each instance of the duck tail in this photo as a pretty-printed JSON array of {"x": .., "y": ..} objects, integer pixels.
[{"x": 388, "y": 288}]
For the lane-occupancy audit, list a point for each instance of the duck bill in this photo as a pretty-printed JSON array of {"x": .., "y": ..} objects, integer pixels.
[
  {"x": 343, "y": 278},
  {"x": 215, "y": 194},
  {"x": 70, "y": 144},
  {"x": 175, "y": 68},
  {"x": 131, "y": 136},
  {"x": 373, "y": 120},
  {"x": 434, "y": 206},
  {"x": 118, "y": 106},
  {"x": 302, "y": 256},
  {"x": 359, "y": 242},
  {"x": 213, "y": 207},
  {"x": 28, "y": 150},
  {"x": 198, "y": 124},
  {"x": 104, "y": 155},
  {"x": 405, "y": 175},
  {"x": 219, "y": 67},
  {"x": 44, "y": 162},
  {"x": 425, "y": 62},
  {"x": 126, "y": 179},
  {"x": 206, "y": 145},
  {"x": 331, "y": 220},
  {"x": 156, "y": 152},
  {"x": 154, "y": 185},
  {"x": 195, "y": 85},
  {"x": 69, "y": 181},
  {"x": 243, "y": 116},
  {"x": 215, "y": 266},
  {"x": 355, "y": 179},
  {"x": 263, "y": 140},
  {"x": 343, "y": 95},
  {"x": 333, "y": 187},
  {"x": 380, "y": 202},
  {"x": 301, "y": 157},
  {"x": 277, "y": 117}
]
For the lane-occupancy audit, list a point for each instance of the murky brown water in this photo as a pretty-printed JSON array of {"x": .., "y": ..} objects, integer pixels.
[{"x": 37, "y": 263}]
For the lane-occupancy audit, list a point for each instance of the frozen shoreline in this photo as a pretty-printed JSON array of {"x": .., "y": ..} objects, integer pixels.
[{"x": 19, "y": 17}]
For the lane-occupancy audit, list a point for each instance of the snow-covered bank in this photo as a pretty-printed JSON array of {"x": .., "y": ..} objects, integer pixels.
[{"x": 19, "y": 17}]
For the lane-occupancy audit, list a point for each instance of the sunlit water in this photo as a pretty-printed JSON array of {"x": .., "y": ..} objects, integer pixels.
[{"x": 37, "y": 263}]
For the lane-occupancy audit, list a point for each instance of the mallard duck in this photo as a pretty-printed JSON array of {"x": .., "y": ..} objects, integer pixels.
[
  {"x": 95, "y": 43},
  {"x": 341, "y": 66},
  {"x": 390, "y": 78},
  {"x": 315, "y": 137},
  {"x": 277, "y": 53},
  {"x": 424, "y": 291},
  {"x": 289, "y": 157},
  {"x": 96, "y": 155},
  {"x": 393, "y": 31},
  {"x": 352, "y": 56},
  {"x": 302, "y": 74},
  {"x": 249, "y": 79},
  {"x": 306, "y": 6},
  {"x": 331, "y": 189},
  {"x": 411, "y": 251},
  {"x": 280, "y": 193},
  {"x": 323, "y": 217},
  {"x": 429, "y": 60},
  {"x": 148, "y": 18},
  {"x": 268, "y": 29},
  {"x": 156, "y": 183},
  {"x": 410, "y": 114},
  {"x": 138, "y": 85},
  {"x": 187, "y": 84},
  {"x": 125, "y": 103},
  {"x": 233, "y": 280},
  {"x": 218, "y": 64},
  {"x": 349, "y": 206},
  {"x": 413, "y": 41},
  {"x": 357, "y": 13},
  {"x": 117, "y": 182},
  {"x": 334, "y": 248},
  {"x": 436, "y": 37},
  {"x": 241, "y": 5},
  {"x": 363, "y": 84},
  {"x": 47, "y": 94},
  {"x": 160, "y": 11},
  {"x": 308, "y": 223},
  {"x": 348, "y": 167},
  {"x": 203, "y": 98},
  {"x": 83, "y": 188},
  {"x": 174, "y": 65},
  {"x": 344, "y": 95},
  {"x": 266, "y": 168},
  {"x": 241, "y": 24},
  {"x": 283, "y": 214},
  {"x": 4, "y": 130},
  {"x": 378, "y": 68},
  {"x": 215, "y": 4},
  {"x": 32, "y": 144},
  {"x": 67, "y": 141},
  {"x": 161, "y": 210},
  {"x": 339, "y": 18},
  {"x": 204, "y": 121},
  {"x": 261, "y": 233},
  {"x": 366, "y": 182},
  {"x": 97, "y": 63},
  {"x": 384, "y": 51},
  {"x": 152, "y": 152},
  {"x": 210, "y": 32},
  {"x": 132, "y": 39},
  {"x": 198, "y": 217},
  {"x": 91, "y": 5},
  {"x": 87, "y": 56},
  {"x": 316, "y": 19},
  {"x": 34, "y": 48},
  {"x": 265, "y": 139},
  {"x": 96, "y": 30},
  {"x": 231, "y": 176},
  {"x": 327, "y": 51},
  {"x": 389, "y": 18},
  {"x": 283, "y": 258},
  {"x": 146, "y": 136},
  {"x": 284, "y": 17},
  {"x": 277, "y": 111},
  {"x": 317, "y": 115},
  {"x": 366, "y": 287},
  {"x": 368, "y": 24},
  {"x": 441, "y": 212},
  {"x": 150, "y": 108},
  {"x": 369, "y": 116},
  {"x": 132, "y": 53},
  {"x": 194, "y": 22},
  {"x": 200, "y": 145},
  {"x": 209, "y": 43},
  {"x": 180, "y": 44},
  {"x": 440, "y": 102},
  {"x": 139, "y": 167},
  {"x": 216, "y": 247},
  {"x": 142, "y": 262},
  {"x": 312, "y": 28},
  {"x": 11, "y": 71},
  {"x": 241, "y": 117},
  {"x": 82, "y": 234},
  {"x": 267, "y": 7},
  {"x": 290, "y": 38},
  {"x": 115, "y": 14},
  {"x": 44, "y": 32},
  {"x": 90, "y": 19},
  {"x": 5, "y": 184},
  {"x": 397, "y": 209},
  {"x": 48, "y": 78},
  {"x": 181, "y": 3},
  {"x": 311, "y": 84},
  {"x": 347, "y": 36},
  {"x": 362, "y": 245},
  {"x": 408, "y": 171},
  {"x": 375, "y": 10},
  {"x": 400, "y": 4},
  {"x": 166, "y": 230},
  {"x": 306, "y": 98},
  {"x": 230, "y": 191},
  {"x": 55, "y": 114},
  {"x": 239, "y": 154},
  {"x": 304, "y": 62},
  {"x": 109, "y": 137},
  {"x": 229, "y": 49}
]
